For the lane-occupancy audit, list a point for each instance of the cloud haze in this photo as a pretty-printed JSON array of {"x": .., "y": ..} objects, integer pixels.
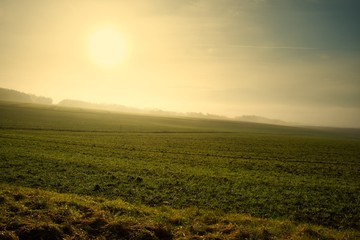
[{"x": 291, "y": 60}]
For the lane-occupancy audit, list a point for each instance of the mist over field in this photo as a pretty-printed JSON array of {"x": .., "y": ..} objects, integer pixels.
[
  {"x": 10, "y": 95},
  {"x": 297, "y": 61}
]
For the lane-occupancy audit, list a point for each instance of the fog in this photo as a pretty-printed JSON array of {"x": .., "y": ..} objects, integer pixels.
[{"x": 292, "y": 60}]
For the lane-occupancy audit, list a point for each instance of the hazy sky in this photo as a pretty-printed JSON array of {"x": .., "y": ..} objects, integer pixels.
[{"x": 296, "y": 60}]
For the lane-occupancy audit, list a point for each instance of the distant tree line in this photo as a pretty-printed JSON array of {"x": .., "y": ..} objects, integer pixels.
[{"x": 10, "y": 95}]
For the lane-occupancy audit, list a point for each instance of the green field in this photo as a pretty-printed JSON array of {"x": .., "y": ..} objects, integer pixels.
[{"x": 297, "y": 174}]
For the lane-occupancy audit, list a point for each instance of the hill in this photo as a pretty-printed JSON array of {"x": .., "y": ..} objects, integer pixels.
[
  {"x": 55, "y": 117},
  {"x": 16, "y": 96}
]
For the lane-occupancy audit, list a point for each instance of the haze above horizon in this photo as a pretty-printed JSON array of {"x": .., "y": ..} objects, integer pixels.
[{"x": 298, "y": 61}]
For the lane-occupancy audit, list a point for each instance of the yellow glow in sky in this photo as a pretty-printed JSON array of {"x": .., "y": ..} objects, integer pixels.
[
  {"x": 226, "y": 57},
  {"x": 107, "y": 47}
]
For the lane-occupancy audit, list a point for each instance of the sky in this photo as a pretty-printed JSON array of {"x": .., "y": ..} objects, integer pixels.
[{"x": 294, "y": 60}]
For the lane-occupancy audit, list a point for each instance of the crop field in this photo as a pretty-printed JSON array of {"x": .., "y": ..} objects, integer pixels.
[{"x": 304, "y": 175}]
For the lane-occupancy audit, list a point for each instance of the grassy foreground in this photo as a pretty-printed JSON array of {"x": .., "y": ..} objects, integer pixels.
[{"x": 37, "y": 214}]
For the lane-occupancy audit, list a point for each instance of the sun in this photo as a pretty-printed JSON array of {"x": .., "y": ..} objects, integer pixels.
[{"x": 107, "y": 47}]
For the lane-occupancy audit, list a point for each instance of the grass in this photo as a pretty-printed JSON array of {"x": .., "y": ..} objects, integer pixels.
[
  {"x": 175, "y": 168},
  {"x": 38, "y": 214}
]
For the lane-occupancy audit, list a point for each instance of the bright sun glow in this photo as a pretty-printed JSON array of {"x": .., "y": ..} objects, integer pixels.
[{"x": 107, "y": 47}]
